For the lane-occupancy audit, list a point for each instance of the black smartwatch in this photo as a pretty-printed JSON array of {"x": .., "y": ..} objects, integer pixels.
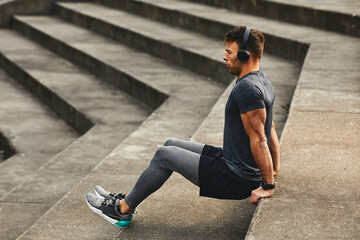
[{"x": 267, "y": 186}]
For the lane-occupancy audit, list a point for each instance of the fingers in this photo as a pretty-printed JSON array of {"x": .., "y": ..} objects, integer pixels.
[
  {"x": 254, "y": 199},
  {"x": 260, "y": 193}
]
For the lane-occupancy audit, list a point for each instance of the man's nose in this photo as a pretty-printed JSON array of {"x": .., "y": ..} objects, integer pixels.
[{"x": 225, "y": 58}]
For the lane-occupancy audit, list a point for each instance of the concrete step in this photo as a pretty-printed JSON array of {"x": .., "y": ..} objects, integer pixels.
[
  {"x": 90, "y": 48},
  {"x": 342, "y": 17},
  {"x": 119, "y": 171},
  {"x": 114, "y": 113},
  {"x": 178, "y": 117},
  {"x": 84, "y": 14},
  {"x": 346, "y": 6},
  {"x": 6, "y": 148},
  {"x": 190, "y": 98},
  {"x": 178, "y": 46},
  {"x": 321, "y": 128},
  {"x": 34, "y": 132},
  {"x": 214, "y": 23},
  {"x": 284, "y": 39},
  {"x": 167, "y": 78},
  {"x": 188, "y": 93}
]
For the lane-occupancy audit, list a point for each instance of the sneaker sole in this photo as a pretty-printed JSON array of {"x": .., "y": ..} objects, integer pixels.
[{"x": 120, "y": 224}]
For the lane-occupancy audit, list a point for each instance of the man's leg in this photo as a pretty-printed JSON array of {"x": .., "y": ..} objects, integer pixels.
[
  {"x": 191, "y": 146},
  {"x": 166, "y": 160}
]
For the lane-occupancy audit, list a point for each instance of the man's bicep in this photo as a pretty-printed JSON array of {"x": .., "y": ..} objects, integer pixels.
[{"x": 254, "y": 122}]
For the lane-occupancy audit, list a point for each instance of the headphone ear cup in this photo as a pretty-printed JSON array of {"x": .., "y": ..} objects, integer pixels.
[{"x": 243, "y": 55}]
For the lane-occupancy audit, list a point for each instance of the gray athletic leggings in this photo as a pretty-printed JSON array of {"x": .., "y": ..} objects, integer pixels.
[{"x": 176, "y": 155}]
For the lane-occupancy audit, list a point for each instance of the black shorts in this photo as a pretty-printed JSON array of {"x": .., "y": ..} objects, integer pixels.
[{"x": 218, "y": 181}]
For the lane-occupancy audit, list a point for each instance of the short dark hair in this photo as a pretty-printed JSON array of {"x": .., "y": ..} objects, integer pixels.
[{"x": 255, "y": 42}]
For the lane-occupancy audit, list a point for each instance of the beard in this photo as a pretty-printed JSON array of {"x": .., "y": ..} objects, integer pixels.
[{"x": 235, "y": 70}]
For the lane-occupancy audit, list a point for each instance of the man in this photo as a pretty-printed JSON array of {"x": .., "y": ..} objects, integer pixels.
[{"x": 250, "y": 154}]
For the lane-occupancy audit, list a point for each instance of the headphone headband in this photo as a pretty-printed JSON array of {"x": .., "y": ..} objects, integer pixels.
[
  {"x": 245, "y": 38},
  {"x": 244, "y": 55}
]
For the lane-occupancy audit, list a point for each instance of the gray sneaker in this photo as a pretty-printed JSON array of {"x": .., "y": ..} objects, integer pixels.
[
  {"x": 102, "y": 193},
  {"x": 109, "y": 210}
]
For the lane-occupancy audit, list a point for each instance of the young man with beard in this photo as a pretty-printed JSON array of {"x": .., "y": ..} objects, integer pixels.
[{"x": 250, "y": 156}]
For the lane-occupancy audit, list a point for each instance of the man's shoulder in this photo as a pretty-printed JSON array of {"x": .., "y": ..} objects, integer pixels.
[
  {"x": 251, "y": 79},
  {"x": 247, "y": 84}
]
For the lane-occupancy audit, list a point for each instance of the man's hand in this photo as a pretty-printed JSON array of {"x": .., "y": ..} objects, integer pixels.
[{"x": 260, "y": 193}]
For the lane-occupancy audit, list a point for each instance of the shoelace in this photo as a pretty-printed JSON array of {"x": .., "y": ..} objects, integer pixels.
[
  {"x": 108, "y": 202},
  {"x": 117, "y": 195}
]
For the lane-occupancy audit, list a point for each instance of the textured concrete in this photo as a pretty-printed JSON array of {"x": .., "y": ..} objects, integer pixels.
[
  {"x": 33, "y": 130},
  {"x": 24, "y": 212},
  {"x": 315, "y": 198},
  {"x": 342, "y": 17},
  {"x": 59, "y": 175},
  {"x": 200, "y": 19},
  {"x": 42, "y": 176},
  {"x": 322, "y": 76},
  {"x": 176, "y": 117},
  {"x": 11, "y": 7},
  {"x": 175, "y": 45},
  {"x": 85, "y": 14},
  {"x": 6, "y": 148},
  {"x": 316, "y": 126},
  {"x": 345, "y": 6},
  {"x": 191, "y": 97}
]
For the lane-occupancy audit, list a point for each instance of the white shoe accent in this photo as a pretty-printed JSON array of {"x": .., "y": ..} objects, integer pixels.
[{"x": 100, "y": 213}]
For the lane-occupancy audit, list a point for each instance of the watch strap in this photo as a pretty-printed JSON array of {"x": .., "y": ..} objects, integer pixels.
[{"x": 267, "y": 186}]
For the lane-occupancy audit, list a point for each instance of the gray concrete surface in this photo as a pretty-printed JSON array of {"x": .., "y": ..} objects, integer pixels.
[
  {"x": 313, "y": 148},
  {"x": 11, "y": 7},
  {"x": 179, "y": 116},
  {"x": 346, "y": 6},
  {"x": 172, "y": 44},
  {"x": 340, "y": 18},
  {"x": 7, "y": 150},
  {"x": 175, "y": 118},
  {"x": 320, "y": 168},
  {"x": 186, "y": 16},
  {"x": 62, "y": 172},
  {"x": 190, "y": 42},
  {"x": 47, "y": 172},
  {"x": 34, "y": 131}
]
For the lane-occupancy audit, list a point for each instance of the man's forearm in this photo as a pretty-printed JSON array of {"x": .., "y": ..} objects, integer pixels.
[
  {"x": 262, "y": 157},
  {"x": 254, "y": 122},
  {"x": 275, "y": 150}
]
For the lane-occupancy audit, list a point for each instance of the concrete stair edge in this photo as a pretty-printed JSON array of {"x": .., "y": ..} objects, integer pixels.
[
  {"x": 259, "y": 207},
  {"x": 43, "y": 92},
  {"x": 293, "y": 13},
  {"x": 301, "y": 107},
  {"x": 296, "y": 50},
  {"x": 9, "y": 8},
  {"x": 168, "y": 51},
  {"x": 61, "y": 107},
  {"x": 8, "y": 148},
  {"x": 150, "y": 96}
]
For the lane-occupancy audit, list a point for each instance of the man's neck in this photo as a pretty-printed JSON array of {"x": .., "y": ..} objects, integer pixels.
[{"x": 249, "y": 67}]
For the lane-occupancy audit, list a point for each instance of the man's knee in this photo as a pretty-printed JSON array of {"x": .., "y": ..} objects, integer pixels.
[
  {"x": 170, "y": 142},
  {"x": 161, "y": 155}
]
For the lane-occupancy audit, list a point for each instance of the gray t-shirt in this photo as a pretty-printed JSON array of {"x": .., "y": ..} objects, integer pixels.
[{"x": 252, "y": 91}]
